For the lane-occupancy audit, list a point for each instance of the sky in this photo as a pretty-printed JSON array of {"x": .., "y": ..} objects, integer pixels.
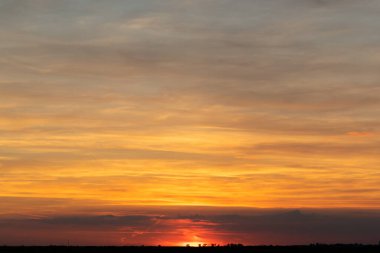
[{"x": 171, "y": 122}]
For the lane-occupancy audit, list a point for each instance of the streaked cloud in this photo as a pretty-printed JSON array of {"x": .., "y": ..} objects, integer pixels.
[{"x": 198, "y": 103}]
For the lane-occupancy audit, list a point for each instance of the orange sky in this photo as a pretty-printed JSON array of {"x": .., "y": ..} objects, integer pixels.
[{"x": 261, "y": 104}]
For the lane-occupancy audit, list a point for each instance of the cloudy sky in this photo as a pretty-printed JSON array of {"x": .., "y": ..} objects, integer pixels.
[{"x": 115, "y": 112}]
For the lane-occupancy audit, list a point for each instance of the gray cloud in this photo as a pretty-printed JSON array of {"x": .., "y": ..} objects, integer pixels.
[
  {"x": 324, "y": 67},
  {"x": 270, "y": 227}
]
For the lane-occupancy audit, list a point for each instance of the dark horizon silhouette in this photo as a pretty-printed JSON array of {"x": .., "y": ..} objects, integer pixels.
[{"x": 314, "y": 248}]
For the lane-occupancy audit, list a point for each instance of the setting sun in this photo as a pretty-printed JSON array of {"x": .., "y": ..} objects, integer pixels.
[{"x": 193, "y": 244}]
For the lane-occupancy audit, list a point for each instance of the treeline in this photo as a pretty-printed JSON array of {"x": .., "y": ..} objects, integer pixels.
[{"x": 230, "y": 248}]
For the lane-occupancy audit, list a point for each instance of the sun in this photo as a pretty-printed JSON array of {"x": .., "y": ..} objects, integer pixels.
[
  {"x": 193, "y": 244},
  {"x": 194, "y": 241}
]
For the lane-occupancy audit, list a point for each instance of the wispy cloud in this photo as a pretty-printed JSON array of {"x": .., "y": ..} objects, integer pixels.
[{"x": 249, "y": 103}]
